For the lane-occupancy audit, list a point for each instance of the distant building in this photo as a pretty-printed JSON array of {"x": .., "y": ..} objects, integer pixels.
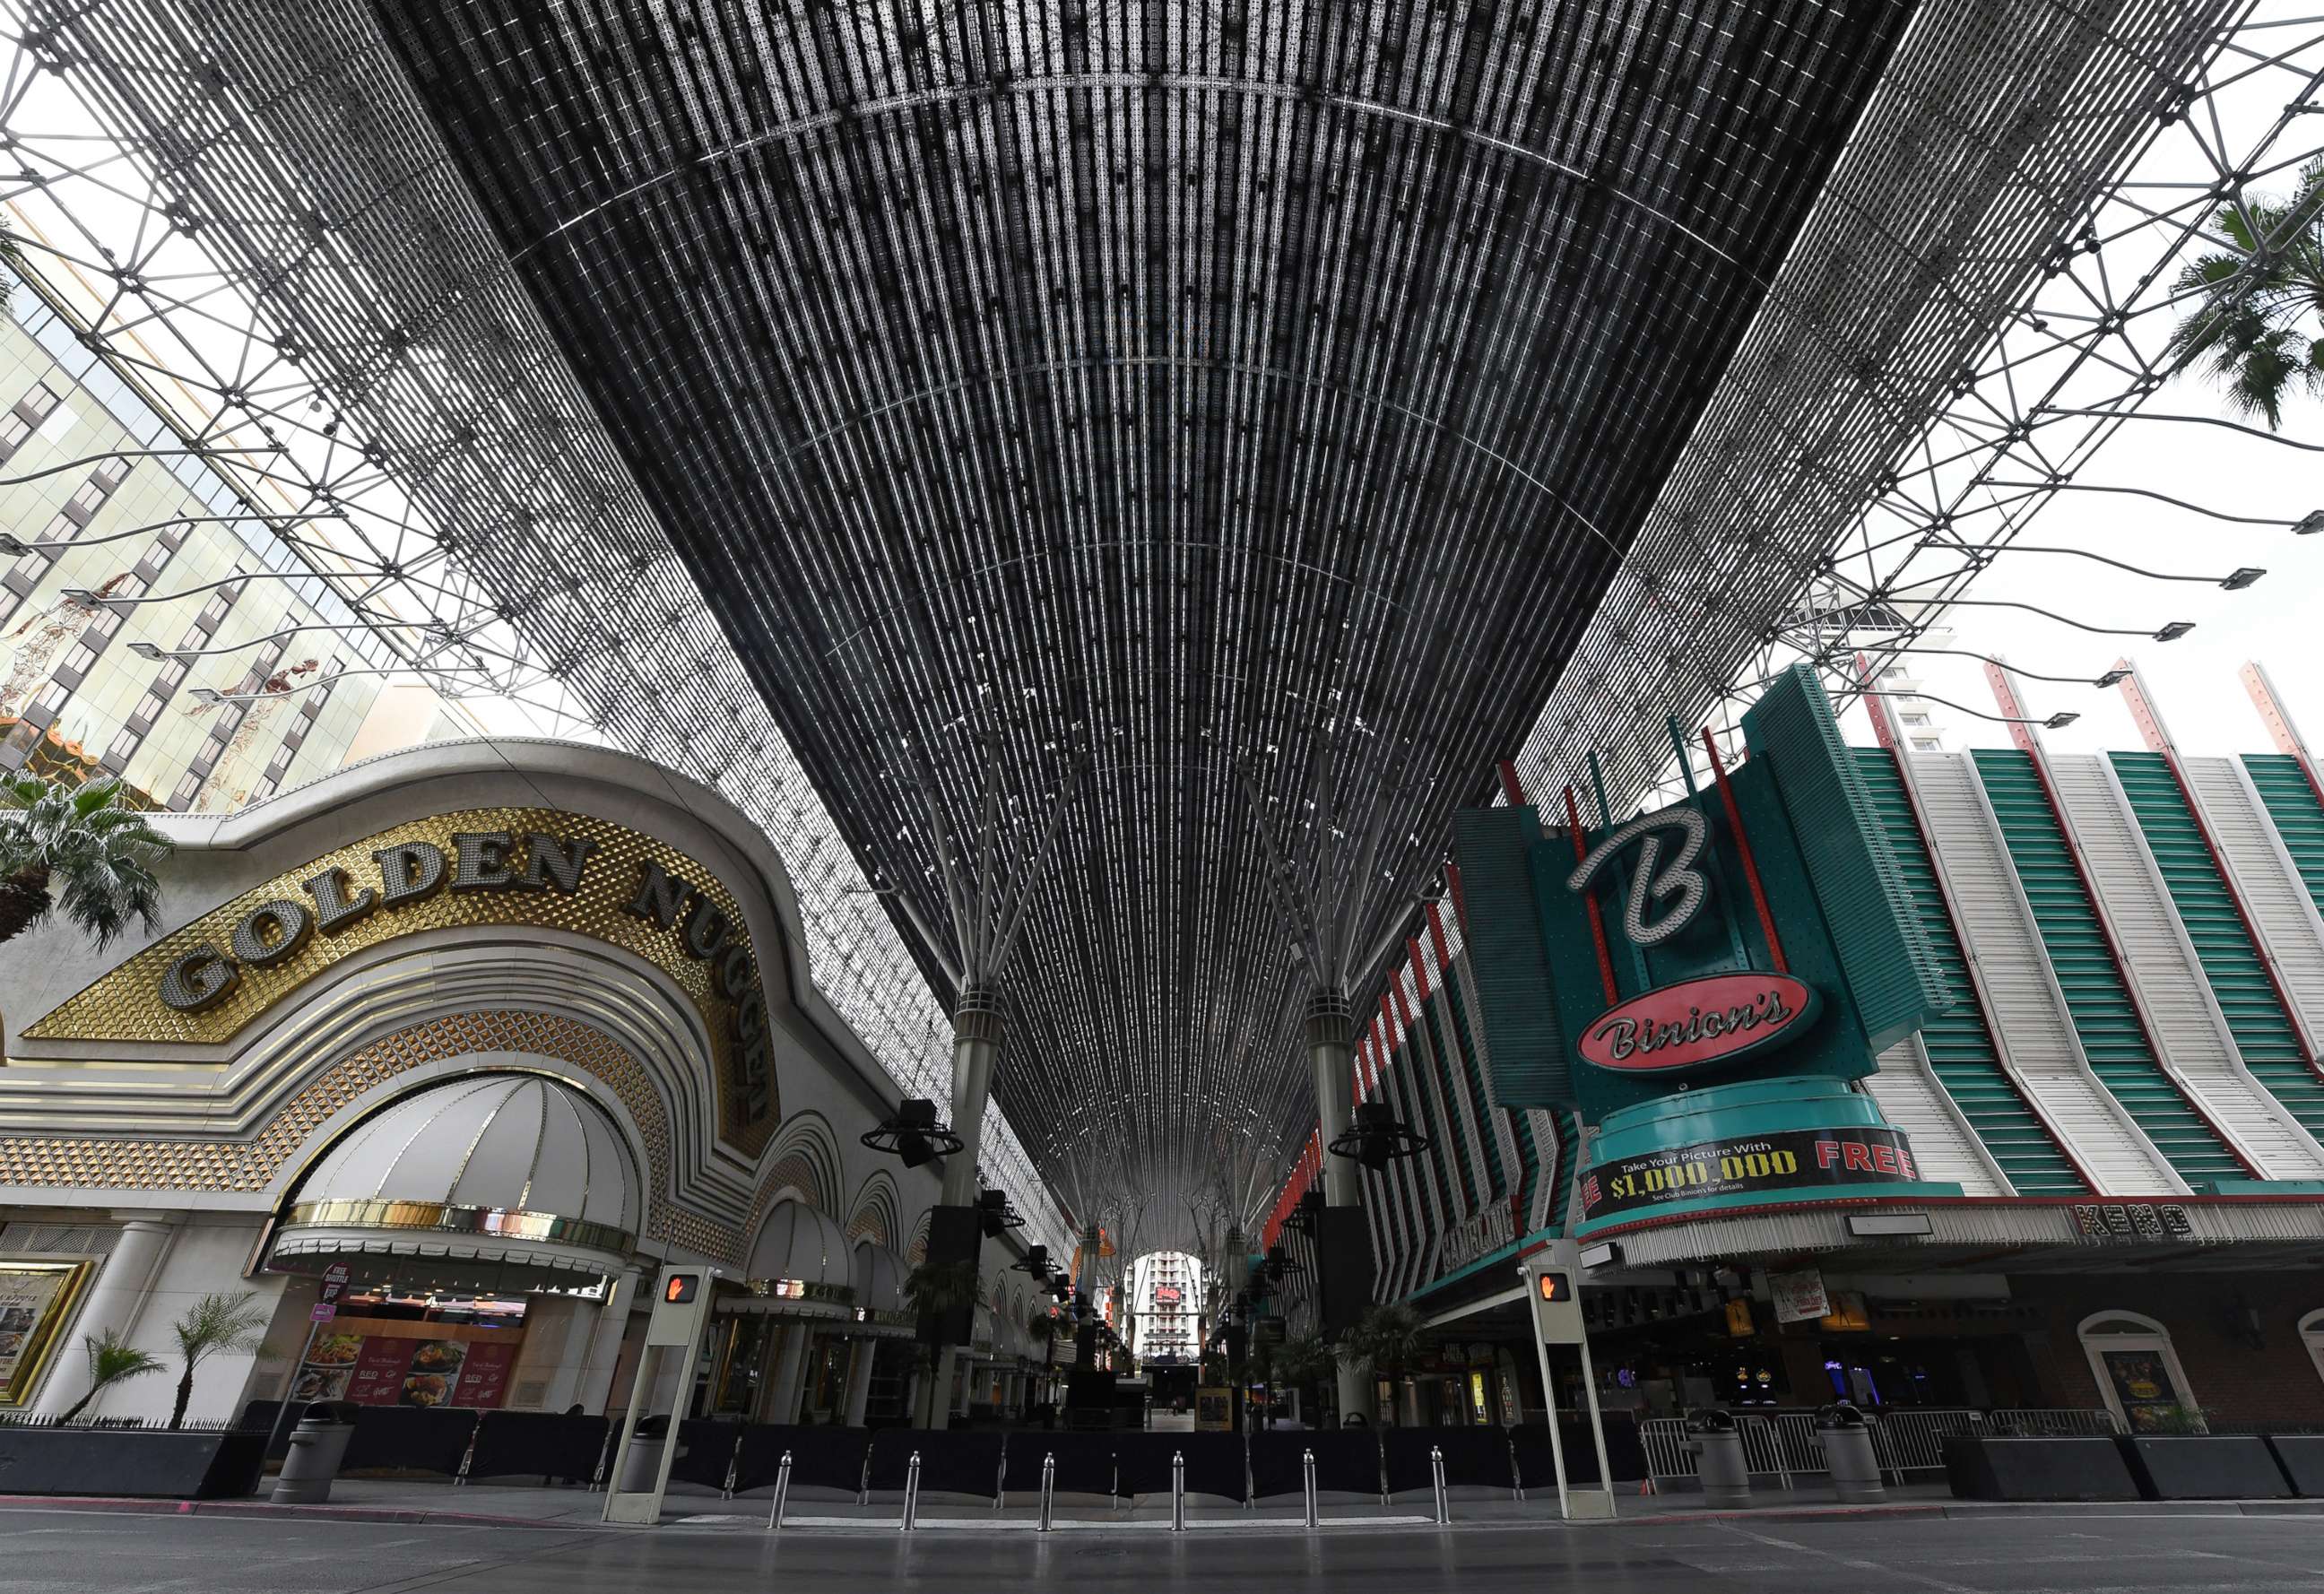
[
  {"x": 152, "y": 624},
  {"x": 1166, "y": 1295}
]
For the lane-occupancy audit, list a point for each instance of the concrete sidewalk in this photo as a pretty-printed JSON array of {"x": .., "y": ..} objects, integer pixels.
[{"x": 574, "y": 1509}]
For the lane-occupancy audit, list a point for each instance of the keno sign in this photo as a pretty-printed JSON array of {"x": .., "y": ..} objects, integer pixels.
[{"x": 1697, "y": 1022}]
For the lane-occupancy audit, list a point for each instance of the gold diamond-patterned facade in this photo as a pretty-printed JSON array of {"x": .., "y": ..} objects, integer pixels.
[
  {"x": 158, "y": 1164},
  {"x": 124, "y": 1005},
  {"x": 227, "y": 1165}
]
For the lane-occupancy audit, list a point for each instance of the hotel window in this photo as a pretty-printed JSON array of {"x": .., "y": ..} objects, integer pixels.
[
  {"x": 187, "y": 787},
  {"x": 22, "y": 422}
]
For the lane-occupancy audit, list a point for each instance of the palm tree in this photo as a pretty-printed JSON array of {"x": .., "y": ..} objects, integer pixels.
[
  {"x": 1301, "y": 1363},
  {"x": 939, "y": 1289},
  {"x": 111, "y": 1360},
  {"x": 215, "y": 1323},
  {"x": 103, "y": 852},
  {"x": 2261, "y": 302},
  {"x": 1044, "y": 1330},
  {"x": 1387, "y": 1339},
  {"x": 939, "y": 1292}
]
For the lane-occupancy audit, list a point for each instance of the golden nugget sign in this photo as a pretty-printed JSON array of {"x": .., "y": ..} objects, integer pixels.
[{"x": 409, "y": 872}]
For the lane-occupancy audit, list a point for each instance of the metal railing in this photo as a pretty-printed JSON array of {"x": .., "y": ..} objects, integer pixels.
[
  {"x": 1784, "y": 1445},
  {"x": 123, "y": 1424},
  {"x": 2064, "y": 1422}
]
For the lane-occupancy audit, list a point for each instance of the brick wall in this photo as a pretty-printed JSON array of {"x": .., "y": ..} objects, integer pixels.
[{"x": 2232, "y": 1380}]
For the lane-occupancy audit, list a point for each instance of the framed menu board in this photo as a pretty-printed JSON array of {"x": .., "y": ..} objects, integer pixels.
[
  {"x": 36, "y": 1301},
  {"x": 397, "y": 1363}
]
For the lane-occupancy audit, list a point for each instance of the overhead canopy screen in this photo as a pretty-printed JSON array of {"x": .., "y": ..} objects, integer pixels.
[{"x": 1191, "y": 387}]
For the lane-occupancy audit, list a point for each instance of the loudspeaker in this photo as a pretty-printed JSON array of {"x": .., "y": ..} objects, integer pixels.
[
  {"x": 955, "y": 1235},
  {"x": 1344, "y": 1251}
]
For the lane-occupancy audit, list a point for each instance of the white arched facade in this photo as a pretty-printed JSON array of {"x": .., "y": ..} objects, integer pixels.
[{"x": 263, "y": 1140}]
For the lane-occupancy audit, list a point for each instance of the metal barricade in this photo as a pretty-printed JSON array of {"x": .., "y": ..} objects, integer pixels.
[
  {"x": 2040, "y": 1421},
  {"x": 1913, "y": 1439},
  {"x": 1799, "y": 1450},
  {"x": 1668, "y": 1457},
  {"x": 1769, "y": 1446},
  {"x": 1784, "y": 1445}
]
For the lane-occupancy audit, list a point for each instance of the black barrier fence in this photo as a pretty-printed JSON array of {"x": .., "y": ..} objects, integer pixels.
[
  {"x": 545, "y": 1444},
  {"x": 1084, "y": 1463},
  {"x": 961, "y": 1461},
  {"x": 1235, "y": 1466},
  {"x": 1347, "y": 1461},
  {"x": 1215, "y": 1464},
  {"x": 408, "y": 1439},
  {"x": 821, "y": 1458},
  {"x": 1473, "y": 1457},
  {"x": 1626, "y": 1454},
  {"x": 705, "y": 1450}
]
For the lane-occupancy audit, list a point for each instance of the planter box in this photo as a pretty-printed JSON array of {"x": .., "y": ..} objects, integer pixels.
[
  {"x": 2301, "y": 1457},
  {"x": 145, "y": 1463},
  {"x": 2205, "y": 1466},
  {"x": 1980, "y": 1468}
]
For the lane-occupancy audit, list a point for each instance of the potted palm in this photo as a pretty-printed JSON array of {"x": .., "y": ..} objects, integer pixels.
[
  {"x": 111, "y": 1360},
  {"x": 166, "y": 1463},
  {"x": 80, "y": 849},
  {"x": 215, "y": 1323}
]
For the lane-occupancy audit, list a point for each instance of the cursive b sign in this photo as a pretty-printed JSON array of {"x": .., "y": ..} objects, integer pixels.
[{"x": 1699, "y": 1021}]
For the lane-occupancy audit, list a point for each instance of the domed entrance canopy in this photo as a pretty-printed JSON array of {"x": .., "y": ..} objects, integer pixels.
[
  {"x": 879, "y": 1278},
  {"x": 799, "y": 1267},
  {"x": 503, "y": 1182}
]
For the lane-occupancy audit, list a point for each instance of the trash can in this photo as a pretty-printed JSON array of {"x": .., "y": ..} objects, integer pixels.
[
  {"x": 642, "y": 1463},
  {"x": 1718, "y": 1447},
  {"x": 318, "y": 1445},
  {"x": 1846, "y": 1434}
]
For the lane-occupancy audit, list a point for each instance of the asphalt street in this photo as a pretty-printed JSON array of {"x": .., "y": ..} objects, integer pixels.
[{"x": 2064, "y": 1552}]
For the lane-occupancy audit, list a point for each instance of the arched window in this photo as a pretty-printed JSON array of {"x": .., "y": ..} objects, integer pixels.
[{"x": 2138, "y": 1373}]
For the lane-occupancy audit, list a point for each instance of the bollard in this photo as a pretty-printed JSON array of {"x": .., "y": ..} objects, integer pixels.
[
  {"x": 782, "y": 1493},
  {"x": 911, "y": 1493},
  {"x": 1048, "y": 1487},
  {"x": 1178, "y": 1492},
  {"x": 468, "y": 1456},
  {"x": 1437, "y": 1468},
  {"x": 1307, "y": 1465},
  {"x": 604, "y": 1454}
]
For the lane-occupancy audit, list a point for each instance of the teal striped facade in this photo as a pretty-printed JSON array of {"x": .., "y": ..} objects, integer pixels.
[{"x": 2129, "y": 1014}]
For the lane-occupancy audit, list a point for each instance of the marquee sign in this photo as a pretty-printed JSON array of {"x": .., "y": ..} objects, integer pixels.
[
  {"x": 1703, "y": 982},
  {"x": 1697, "y": 1022},
  {"x": 480, "y": 869},
  {"x": 1800, "y": 1162}
]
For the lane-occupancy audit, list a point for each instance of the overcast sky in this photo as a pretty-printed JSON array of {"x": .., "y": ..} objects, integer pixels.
[{"x": 2279, "y": 620}]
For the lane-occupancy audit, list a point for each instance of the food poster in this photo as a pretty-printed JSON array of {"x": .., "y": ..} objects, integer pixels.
[
  {"x": 2142, "y": 1385},
  {"x": 34, "y": 1298},
  {"x": 405, "y": 1367}
]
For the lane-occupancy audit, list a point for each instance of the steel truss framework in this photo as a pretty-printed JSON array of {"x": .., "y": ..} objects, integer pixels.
[
  {"x": 2048, "y": 339},
  {"x": 1191, "y": 388}
]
